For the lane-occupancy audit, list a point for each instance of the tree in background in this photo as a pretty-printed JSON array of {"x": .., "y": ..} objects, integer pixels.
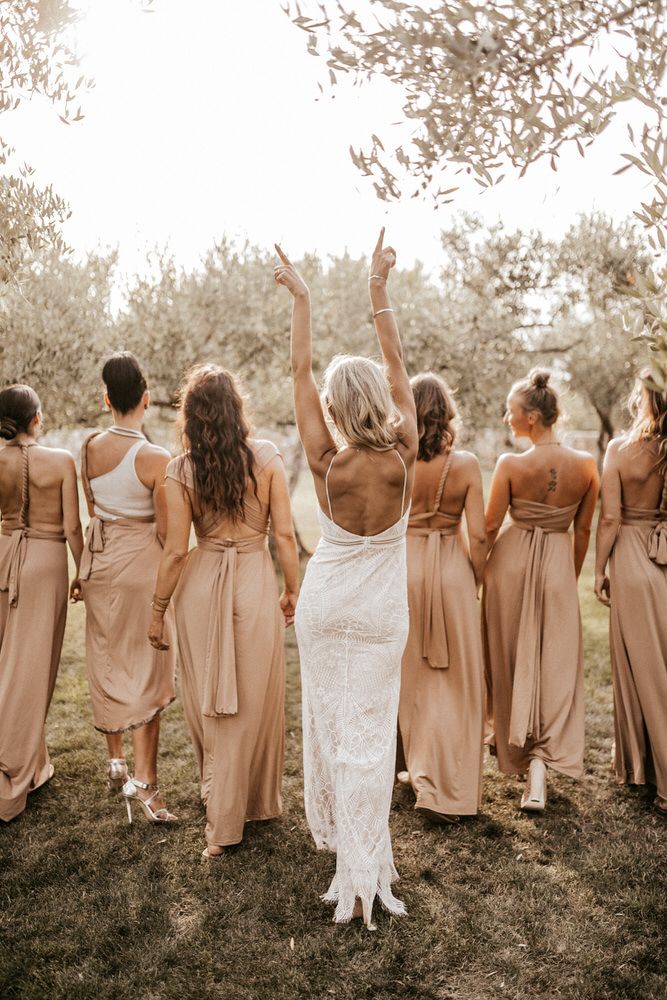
[
  {"x": 597, "y": 262},
  {"x": 494, "y": 86},
  {"x": 55, "y": 329},
  {"x": 34, "y": 60}
]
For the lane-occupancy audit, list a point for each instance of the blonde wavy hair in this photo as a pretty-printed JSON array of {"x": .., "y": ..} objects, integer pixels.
[
  {"x": 648, "y": 409},
  {"x": 355, "y": 393}
]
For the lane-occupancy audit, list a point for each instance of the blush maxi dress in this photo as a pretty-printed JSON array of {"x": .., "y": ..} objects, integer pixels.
[
  {"x": 33, "y": 609},
  {"x": 440, "y": 711}
]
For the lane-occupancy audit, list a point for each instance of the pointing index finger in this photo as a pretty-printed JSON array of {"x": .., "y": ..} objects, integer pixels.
[
  {"x": 378, "y": 245},
  {"x": 283, "y": 256}
]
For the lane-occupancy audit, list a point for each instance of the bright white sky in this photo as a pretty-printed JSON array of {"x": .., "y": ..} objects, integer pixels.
[{"x": 204, "y": 122}]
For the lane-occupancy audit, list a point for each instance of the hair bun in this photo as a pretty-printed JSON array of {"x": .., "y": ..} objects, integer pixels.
[
  {"x": 8, "y": 428},
  {"x": 539, "y": 378}
]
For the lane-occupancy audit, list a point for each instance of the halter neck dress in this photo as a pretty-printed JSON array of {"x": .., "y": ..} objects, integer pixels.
[
  {"x": 130, "y": 682},
  {"x": 351, "y": 626},
  {"x": 533, "y": 641},
  {"x": 33, "y": 609},
  {"x": 440, "y": 711},
  {"x": 638, "y": 643},
  {"x": 230, "y": 636}
]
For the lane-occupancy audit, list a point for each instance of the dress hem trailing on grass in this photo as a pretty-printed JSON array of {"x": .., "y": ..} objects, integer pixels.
[{"x": 363, "y": 886}]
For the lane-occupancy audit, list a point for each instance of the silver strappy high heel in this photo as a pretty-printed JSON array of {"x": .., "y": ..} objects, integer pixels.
[
  {"x": 129, "y": 793},
  {"x": 117, "y": 774}
]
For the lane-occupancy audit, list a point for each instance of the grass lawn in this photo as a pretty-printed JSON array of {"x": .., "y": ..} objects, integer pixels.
[{"x": 570, "y": 904}]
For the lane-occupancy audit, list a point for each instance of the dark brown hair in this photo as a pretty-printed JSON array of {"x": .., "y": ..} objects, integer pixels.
[
  {"x": 648, "y": 408},
  {"x": 18, "y": 406},
  {"x": 535, "y": 393},
  {"x": 436, "y": 414},
  {"x": 124, "y": 380},
  {"x": 215, "y": 431}
]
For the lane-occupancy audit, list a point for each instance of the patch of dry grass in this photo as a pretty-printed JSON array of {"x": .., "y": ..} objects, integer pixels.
[{"x": 566, "y": 905}]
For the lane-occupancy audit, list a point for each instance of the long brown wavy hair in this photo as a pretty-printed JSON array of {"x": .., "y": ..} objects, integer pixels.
[
  {"x": 648, "y": 409},
  {"x": 215, "y": 430},
  {"x": 436, "y": 415}
]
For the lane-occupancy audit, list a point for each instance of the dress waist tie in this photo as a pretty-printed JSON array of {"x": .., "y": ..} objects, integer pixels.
[
  {"x": 435, "y": 647},
  {"x": 95, "y": 540},
  {"x": 525, "y": 712},
  {"x": 656, "y": 543},
  {"x": 220, "y": 693},
  {"x": 12, "y": 560}
]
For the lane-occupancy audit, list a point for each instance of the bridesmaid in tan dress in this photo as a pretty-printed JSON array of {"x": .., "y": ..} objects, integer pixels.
[
  {"x": 531, "y": 618},
  {"x": 632, "y": 537},
  {"x": 440, "y": 712},
  {"x": 130, "y": 684},
  {"x": 40, "y": 512},
  {"x": 228, "y": 613}
]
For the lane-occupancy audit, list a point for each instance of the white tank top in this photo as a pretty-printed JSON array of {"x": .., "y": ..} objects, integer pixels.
[{"x": 122, "y": 490}]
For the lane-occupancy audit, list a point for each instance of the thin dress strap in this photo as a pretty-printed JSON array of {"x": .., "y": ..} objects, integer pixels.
[
  {"x": 85, "y": 481},
  {"x": 25, "y": 487},
  {"x": 443, "y": 480},
  {"x": 405, "y": 481},
  {"x": 326, "y": 486}
]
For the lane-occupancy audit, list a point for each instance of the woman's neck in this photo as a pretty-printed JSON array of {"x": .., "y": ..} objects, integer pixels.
[
  {"x": 23, "y": 438},
  {"x": 132, "y": 421},
  {"x": 542, "y": 435}
]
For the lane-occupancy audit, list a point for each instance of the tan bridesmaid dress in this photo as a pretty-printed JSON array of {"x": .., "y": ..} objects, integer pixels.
[
  {"x": 533, "y": 642},
  {"x": 33, "y": 608},
  {"x": 440, "y": 711},
  {"x": 130, "y": 682},
  {"x": 638, "y": 642},
  {"x": 230, "y": 635}
]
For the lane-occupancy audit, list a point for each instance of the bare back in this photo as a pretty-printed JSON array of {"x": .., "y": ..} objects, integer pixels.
[
  {"x": 257, "y": 505},
  {"x": 641, "y": 483},
  {"x": 48, "y": 470},
  {"x": 427, "y": 480},
  {"x": 554, "y": 474},
  {"x": 368, "y": 489},
  {"x": 106, "y": 451}
]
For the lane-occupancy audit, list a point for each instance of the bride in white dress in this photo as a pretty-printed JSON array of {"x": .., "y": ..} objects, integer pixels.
[{"x": 352, "y": 615}]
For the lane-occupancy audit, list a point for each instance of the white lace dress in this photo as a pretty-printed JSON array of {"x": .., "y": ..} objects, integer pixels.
[{"x": 351, "y": 626}]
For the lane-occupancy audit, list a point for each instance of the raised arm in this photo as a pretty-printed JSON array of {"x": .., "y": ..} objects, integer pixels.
[
  {"x": 584, "y": 518},
  {"x": 609, "y": 521},
  {"x": 313, "y": 431},
  {"x": 386, "y": 328}
]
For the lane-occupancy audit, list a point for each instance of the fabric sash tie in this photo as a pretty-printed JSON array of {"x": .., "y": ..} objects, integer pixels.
[
  {"x": 656, "y": 543},
  {"x": 11, "y": 562},
  {"x": 525, "y": 710},
  {"x": 435, "y": 647},
  {"x": 96, "y": 538},
  {"x": 220, "y": 696}
]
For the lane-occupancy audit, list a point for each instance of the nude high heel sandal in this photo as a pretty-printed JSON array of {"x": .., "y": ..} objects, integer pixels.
[
  {"x": 129, "y": 793},
  {"x": 117, "y": 774},
  {"x": 534, "y": 799}
]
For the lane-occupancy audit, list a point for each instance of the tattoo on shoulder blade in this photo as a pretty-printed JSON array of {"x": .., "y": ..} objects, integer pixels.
[{"x": 553, "y": 482}]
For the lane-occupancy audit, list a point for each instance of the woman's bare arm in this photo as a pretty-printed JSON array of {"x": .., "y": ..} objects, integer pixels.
[
  {"x": 282, "y": 526},
  {"x": 174, "y": 555},
  {"x": 609, "y": 521},
  {"x": 386, "y": 328},
  {"x": 71, "y": 519},
  {"x": 475, "y": 523},
  {"x": 313, "y": 431},
  {"x": 151, "y": 466},
  {"x": 500, "y": 497},
  {"x": 584, "y": 518}
]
